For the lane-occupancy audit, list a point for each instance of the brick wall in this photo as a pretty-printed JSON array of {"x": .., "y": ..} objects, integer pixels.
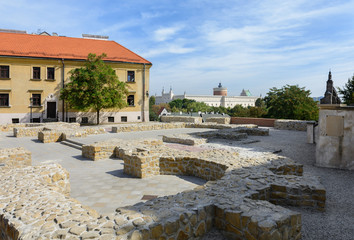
[{"x": 263, "y": 122}]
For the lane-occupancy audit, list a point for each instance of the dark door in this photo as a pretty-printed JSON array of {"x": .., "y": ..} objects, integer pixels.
[{"x": 51, "y": 109}]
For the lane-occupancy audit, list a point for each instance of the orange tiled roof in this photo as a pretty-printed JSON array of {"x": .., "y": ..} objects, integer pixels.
[{"x": 29, "y": 45}]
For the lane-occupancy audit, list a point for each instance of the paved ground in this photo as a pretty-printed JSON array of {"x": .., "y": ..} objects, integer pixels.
[{"x": 103, "y": 186}]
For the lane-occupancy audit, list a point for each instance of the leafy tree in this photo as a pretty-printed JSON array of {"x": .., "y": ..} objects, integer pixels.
[
  {"x": 239, "y": 111},
  {"x": 152, "y": 115},
  {"x": 348, "y": 91},
  {"x": 177, "y": 103},
  {"x": 152, "y": 100},
  {"x": 257, "y": 112},
  {"x": 291, "y": 102},
  {"x": 94, "y": 87}
]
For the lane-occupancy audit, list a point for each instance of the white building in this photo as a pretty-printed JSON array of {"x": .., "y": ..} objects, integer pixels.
[{"x": 219, "y": 98}]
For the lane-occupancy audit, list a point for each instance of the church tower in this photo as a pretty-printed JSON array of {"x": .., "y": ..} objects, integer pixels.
[{"x": 330, "y": 96}]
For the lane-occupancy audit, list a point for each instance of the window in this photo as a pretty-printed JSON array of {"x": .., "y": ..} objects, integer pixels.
[
  {"x": 138, "y": 117},
  {"x": 131, "y": 76},
  {"x": 84, "y": 120},
  {"x": 15, "y": 120},
  {"x": 72, "y": 120},
  {"x": 124, "y": 119},
  {"x": 4, "y": 100},
  {"x": 50, "y": 73},
  {"x": 36, "y": 120},
  {"x": 131, "y": 100},
  {"x": 36, "y": 100},
  {"x": 36, "y": 73},
  {"x": 4, "y": 71},
  {"x": 110, "y": 119}
]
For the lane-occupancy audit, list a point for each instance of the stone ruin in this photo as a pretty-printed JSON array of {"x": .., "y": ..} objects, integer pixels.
[{"x": 244, "y": 197}]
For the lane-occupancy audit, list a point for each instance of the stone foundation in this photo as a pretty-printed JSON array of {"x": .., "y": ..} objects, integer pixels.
[
  {"x": 15, "y": 157},
  {"x": 146, "y": 127},
  {"x": 185, "y": 119},
  {"x": 238, "y": 199},
  {"x": 219, "y": 120},
  {"x": 297, "y": 125},
  {"x": 184, "y": 139}
]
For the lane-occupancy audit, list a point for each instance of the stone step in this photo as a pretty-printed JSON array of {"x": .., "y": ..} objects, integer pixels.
[{"x": 72, "y": 144}]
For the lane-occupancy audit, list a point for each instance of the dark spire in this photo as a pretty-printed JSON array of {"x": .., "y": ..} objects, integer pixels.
[{"x": 220, "y": 86}]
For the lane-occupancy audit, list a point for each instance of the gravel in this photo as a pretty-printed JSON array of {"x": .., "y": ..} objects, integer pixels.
[{"x": 337, "y": 222}]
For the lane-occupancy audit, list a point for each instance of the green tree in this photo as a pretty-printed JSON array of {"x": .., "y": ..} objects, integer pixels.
[
  {"x": 152, "y": 100},
  {"x": 239, "y": 111},
  {"x": 94, "y": 87},
  {"x": 176, "y": 104},
  {"x": 348, "y": 91},
  {"x": 291, "y": 102},
  {"x": 257, "y": 112}
]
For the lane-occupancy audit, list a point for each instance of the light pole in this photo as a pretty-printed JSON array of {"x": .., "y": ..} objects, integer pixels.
[{"x": 31, "y": 106}]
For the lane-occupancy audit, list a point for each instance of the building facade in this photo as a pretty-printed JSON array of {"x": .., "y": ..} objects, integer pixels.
[
  {"x": 218, "y": 99},
  {"x": 34, "y": 68}
]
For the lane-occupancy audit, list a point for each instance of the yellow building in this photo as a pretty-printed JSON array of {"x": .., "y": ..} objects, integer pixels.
[{"x": 34, "y": 68}]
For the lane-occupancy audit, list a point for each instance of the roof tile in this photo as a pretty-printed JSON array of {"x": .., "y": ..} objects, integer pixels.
[{"x": 29, "y": 45}]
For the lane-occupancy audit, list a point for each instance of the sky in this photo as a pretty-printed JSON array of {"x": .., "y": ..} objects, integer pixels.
[{"x": 196, "y": 44}]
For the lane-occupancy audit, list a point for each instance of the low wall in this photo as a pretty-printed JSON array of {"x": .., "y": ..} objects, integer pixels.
[
  {"x": 184, "y": 119},
  {"x": 335, "y": 137},
  {"x": 285, "y": 124},
  {"x": 27, "y": 131},
  {"x": 146, "y": 126},
  {"x": 263, "y": 122},
  {"x": 15, "y": 157},
  {"x": 219, "y": 120},
  {"x": 48, "y": 135}
]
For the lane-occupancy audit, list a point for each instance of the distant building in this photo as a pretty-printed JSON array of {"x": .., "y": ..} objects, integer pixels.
[
  {"x": 218, "y": 99},
  {"x": 331, "y": 95}
]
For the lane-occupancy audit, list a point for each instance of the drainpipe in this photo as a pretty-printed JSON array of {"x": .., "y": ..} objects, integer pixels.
[
  {"x": 143, "y": 108},
  {"x": 63, "y": 85}
]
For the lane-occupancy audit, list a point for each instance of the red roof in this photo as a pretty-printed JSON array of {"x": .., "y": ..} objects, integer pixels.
[{"x": 29, "y": 45}]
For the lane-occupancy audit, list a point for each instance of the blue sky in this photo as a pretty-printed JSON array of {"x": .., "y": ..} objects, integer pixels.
[{"x": 196, "y": 44}]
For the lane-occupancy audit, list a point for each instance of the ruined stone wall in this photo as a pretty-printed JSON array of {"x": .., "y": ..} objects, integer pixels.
[
  {"x": 15, "y": 157},
  {"x": 219, "y": 120},
  {"x": 146, "y": 126},
  {"x": 201, "y": 168},
  {"x": 335, "y": 137},
  {"x": 27, "y": 131},
  {"x": 50, "y": 136},
  {"x": 98, "y": 151},
  {"x": 34, "y": 202},
  {"x": 297, "y": 125},
  {"x": 185, "y": 119}
]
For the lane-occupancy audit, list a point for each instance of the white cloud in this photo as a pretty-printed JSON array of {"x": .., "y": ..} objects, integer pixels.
[{"x": 163, "y": 34}]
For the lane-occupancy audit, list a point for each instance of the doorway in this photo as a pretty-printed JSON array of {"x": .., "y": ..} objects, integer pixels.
[{"x": 51, "y": 109}]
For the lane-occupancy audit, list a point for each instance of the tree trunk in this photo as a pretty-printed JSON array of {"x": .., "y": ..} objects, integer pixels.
[{"x": 98, "y": 116}]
